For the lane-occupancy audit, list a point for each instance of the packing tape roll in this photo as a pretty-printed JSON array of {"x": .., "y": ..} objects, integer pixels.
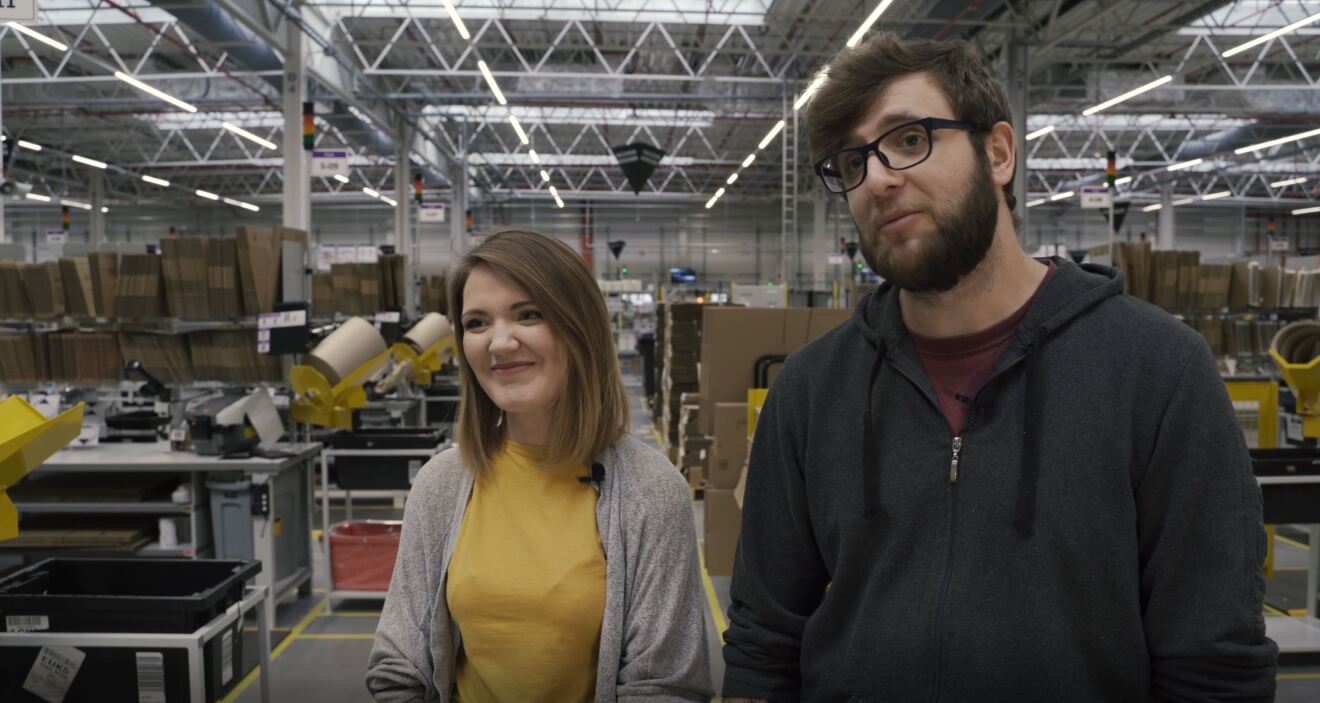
[
  {"x": 430, "y": 329},
  {"x": 355, "y": 343},
  {"x": 1298, "y": 342}
]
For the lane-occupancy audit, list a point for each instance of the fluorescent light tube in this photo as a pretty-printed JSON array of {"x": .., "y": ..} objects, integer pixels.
[
  {"x": 75, "y": 203},
  {"x": 1040, "y": 132},
  {"x": 490, "y": 80},
  {"x": 29, "y": 145},
  {"x": 1128, "y": 95},
  {"x": 544, "y": 176},
  {"x": 389, "y": 201},
  {"x": 1185, "y": 164},
  {"x": 522, "y": 136},
  {"x": 1034, "y": 203},
  {"x": 39, "y": 36},
  {"x": 208, "y": 195},
  {"x": 555, "y": 194},
  {"x": 104, "y": 209},
  {"x": 732, "y": 179},
  {"x": 156, "y": 181},
  {"x": 1216, "y": 196},
  {"x": 458, "y": 21},
  {"x": 88, "y": 162},
  {"x": 1062, "y": 196},
  {"x": 341, "y": 178},
  {"x": 1276, "y": 142},
  {"x": 1289, "y": 182},
  {"x": 1152, "y": 208},
  {"x": 240, "y": 203},
  {"x": 536, "y": 159},
  {"x": 1265, "y": 37},
  {"x": 866, "y": 25},
  {"x": 773, "y": 131},
  {"x": 154, "y": 92},
  {"x": 1306, "y": 210},
  {"x": 1184, "y": 201},
  {"x": 372, "y": 192},
  {"x": 249, "y": 136},
  {"x": 748, "y": 161},
  {"x": 37, "y": 197},
  {"x": 1123, "y": 180}
]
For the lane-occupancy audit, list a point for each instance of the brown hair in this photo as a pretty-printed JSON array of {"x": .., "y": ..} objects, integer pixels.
[
  {"x": 591, "y": 413},
  {"x": 860, "y": 74}
]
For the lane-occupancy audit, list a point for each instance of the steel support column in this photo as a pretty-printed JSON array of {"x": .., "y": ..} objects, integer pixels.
[
  {"x": 297, "y": 176},
  {"x": 1017, "y": 101},
  {"x": 97, "y": 233}
]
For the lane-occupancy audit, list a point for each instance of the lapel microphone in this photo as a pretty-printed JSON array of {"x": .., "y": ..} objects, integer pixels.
[{"x": 596, "y": 476}]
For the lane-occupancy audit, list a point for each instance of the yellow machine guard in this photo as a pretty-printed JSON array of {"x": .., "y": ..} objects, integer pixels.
[
  {"x": 428, "y": 362},
  {"x": 319, "y": 404},
  {"x": 27, "y": 438}
]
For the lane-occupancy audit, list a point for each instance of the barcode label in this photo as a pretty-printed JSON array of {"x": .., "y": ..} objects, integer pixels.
[
  {"x": 26, "y": 623},
  {"x": 151, "y": 677},
  {"x": 226, "y": 657}
]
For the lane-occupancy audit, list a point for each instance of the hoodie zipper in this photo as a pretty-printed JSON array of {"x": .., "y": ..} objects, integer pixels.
[{"x": 954, "y": 460}]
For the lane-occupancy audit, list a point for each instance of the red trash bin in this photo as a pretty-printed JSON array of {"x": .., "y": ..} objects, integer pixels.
[{"x": 362, "y": 554}]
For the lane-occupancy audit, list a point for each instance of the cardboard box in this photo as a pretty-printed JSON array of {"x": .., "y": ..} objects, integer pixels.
[
  {"x": 1271, "y": 283},
  {"x": 1244, "y": 287},
  {"x": 728, "y": 451},
  {"x": 723, "y": 519}
]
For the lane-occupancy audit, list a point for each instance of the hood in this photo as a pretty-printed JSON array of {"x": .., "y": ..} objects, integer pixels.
[{"x": 1068, "y": 293}]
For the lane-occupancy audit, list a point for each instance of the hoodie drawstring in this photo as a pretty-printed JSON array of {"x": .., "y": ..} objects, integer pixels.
[{"x": 870, "y": 437}]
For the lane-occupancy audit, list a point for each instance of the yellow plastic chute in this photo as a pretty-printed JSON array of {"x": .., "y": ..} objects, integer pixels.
[{"x": 27, "y": 438}]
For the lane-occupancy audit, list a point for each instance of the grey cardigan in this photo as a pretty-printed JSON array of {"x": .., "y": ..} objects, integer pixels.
[{"x": 653, "y": 636}]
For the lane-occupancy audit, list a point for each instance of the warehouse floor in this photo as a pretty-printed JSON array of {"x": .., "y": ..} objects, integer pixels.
[{"x": 321, "y": 656}]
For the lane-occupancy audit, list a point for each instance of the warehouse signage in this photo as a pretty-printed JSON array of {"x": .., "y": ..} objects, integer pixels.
[
  {"x": 21, "y": 10},
  {"x": 326, "y": 164},
  {"x": 55, "y": 236},
  {"x": 431, "y": 213},
  {"x": 1095, "y": 197}
]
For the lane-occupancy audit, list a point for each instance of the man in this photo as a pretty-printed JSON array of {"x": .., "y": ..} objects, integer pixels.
[{"x": 1004, "y": 479}]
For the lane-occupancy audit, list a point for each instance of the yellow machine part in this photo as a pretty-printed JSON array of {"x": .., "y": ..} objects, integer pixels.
[
  {"x": 27, "y": 438},
  {"x": 429, "y": 361},
  {"x": 755, "y": 399},
  {"x": 316, "y": 403}
]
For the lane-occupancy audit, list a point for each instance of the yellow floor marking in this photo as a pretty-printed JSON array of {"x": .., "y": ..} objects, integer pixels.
[
  {"x": 711, "y": 598},
  {"x": 1289, "y": 540},
  {"x": 330, "y": 636},
  {"x": 275, "y": 654},
  {"x": 1271, "y": 610}
]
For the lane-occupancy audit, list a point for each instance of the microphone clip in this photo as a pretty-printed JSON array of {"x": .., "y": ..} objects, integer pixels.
[{"x": 596, "y": 475}]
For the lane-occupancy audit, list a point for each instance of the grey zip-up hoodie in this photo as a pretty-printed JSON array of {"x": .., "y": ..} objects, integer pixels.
[
  {"x": 1093, "y": 535},
  {"x": 653, "y": 637}
]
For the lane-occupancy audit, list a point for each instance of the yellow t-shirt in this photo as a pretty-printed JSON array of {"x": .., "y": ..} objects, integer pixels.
[{"x": 526, "y": 583}]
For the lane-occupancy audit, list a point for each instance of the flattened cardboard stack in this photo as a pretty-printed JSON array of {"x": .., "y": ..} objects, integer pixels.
[
  {"x": 105, "y": 280},
  {"x": 140, "y": 292},
  {"x": 1212, "y": 286},
  {"x": 692, "y": 444},
  {"x": 393, "y": 283},
  {"x": 14, "y": 299},
  {"x": 682, "y": 354},
  {"x": 258, "y": 267},
  {"x": 79, "y": 295},
  {"x": 45, "y": 289},
  {"x": 1133, "y": 259},
  {"x": 356, "y": 288},
  {"x": 84, "y": 356},
  {"x": 223, "y": 287},
  {"x": 323, "y": 294},
  {"x": 165, "y": 356},
  {"x": 185, "y": 263},
  {"x": 23, "y": 359},
  {"x": 231, "y": 356},
  {"x": 434, "y": 296}
]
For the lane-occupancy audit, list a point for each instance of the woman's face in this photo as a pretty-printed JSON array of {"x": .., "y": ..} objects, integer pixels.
[{"x": 512, "y": 350}]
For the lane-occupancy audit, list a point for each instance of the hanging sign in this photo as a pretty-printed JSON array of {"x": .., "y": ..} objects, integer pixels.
[
  {"x": 1095, "y": 197},
  {"x": 431, "y": 213},
  {"x": 328, "y": 164}
]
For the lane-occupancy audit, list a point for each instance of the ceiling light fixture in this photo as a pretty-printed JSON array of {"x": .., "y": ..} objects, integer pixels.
[
  {"x": 1127, "y": 96},
  {"x": 544, "y": 176},
  {"x": 75, "y": 203},
  {"x": 1184, "y": 201},
  {"x": 39, "y": 36},
  {"x": 372, "y": 192},
  {"x": 711, "y": 203},
  {"x": 208, "y": 195},
  {"x": 1276, "y": 142},
  {"x": 88, "y": 162},
  {"x": 866, "y": 25},
  {"x": 104, "y": 209},
  {"x": 240, "y": 203},
  {"x": 1185, "y": 164},
  {"x": 389, "y": 201},
  {"x": 1062, "y": 196},
  {"x": 773, "y": 131},
  {"x": 490, "y": 80},
  {"x": 731, "y": 179},
  {"x": 341, "y": 178},
  {"x": 536, "y": 159},
  {"x": 1216, "y": 196},
  {"x": 1040, "y": 132},
  {"x": 522, "y": 136},
  {"x": 1034, "y": 203},
  {"x": 249, "y": 136},
  {"x": 1306, "y": 210},
  {"x": 37, "y": 197},
  {"x": 29, "y": 145},
  {"x": 1152, "y": 208},
  {"x": 1289, "y": 182},
  {"x": 458, "y": 21},
  {"x": 1123, "y": 180},
  {"x": 154, "y": 92},
  {"x": 748, "y": 161},
  {"x": 156, "y": 181},
  {"x": 555, "y": 194},
  {"x": 1276, "y": 33}
]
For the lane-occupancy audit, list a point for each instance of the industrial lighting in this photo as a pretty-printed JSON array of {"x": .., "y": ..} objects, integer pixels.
[
  {"x": 1289, "y": 182},
  {"x": 37, "y": 197},
  {"x": 773, "y": 131},
  {"x": 535, "y": 158},
  {"x": 490, "y": 80},
  {"x": 1123, "y": 180},
  {"x": 75, "y": 203},
  {"x": 1184, "y": 201},
  {"x": 866, "y": 25},
  {"x": 1034, "y": 203},
  {"x": 1306, "y": 210},
  {"x": 39, "y": 36},
  {"x": 389, "y": 201},
  {"x": 1125, "y": 96},
  {"x": 152, "y": 91},
  {"x": 104, "y": 209},
  {"x": 240, "y": 203},
  {"x": 555, "y": 194},
  {"x": 29, "y": 145},
  {"x": 458, "y": 21},
  {"x": 711, "y": 203},
  {"x": 810, "y": 91},
  {"x": 249, "y": 136},
  {"x": 1185, "y": 164},
  {"x": 1062, "y": 196},
  {"x": 156, "y": 181},
  {"x": 1152, "y": 208},
  {"x": 544, "y": 176},
  {"x": 1276, "y": 142},
  {"x": 208, "y": 195},
  {"x": 341, "y": 178},
  {"x": 748, "y": 161},
  {"x": 372, "y": 192},
  {"x": 88, "y": 162},
  {"x": 1265, "y": 37},
  {"x": 1040, "y": 132},
  {"x": 1216, "y": 196},
  {"x": 513, "y": 120},
  {"x": 732, "y": 178}
]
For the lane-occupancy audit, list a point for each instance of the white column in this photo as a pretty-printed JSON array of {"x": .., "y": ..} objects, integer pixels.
[
  {"x": 458, "y": 185},
  {"x": 1017, "y": 101},
  {"x": 98, "y": 201},
  {"x": 820, "y": 249},
  {"x": 297, "y": 179},
  {"x": 403, "y": 229},
  {"x": 1165, "y": 239}
]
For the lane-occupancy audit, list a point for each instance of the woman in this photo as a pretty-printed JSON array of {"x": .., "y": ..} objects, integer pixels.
[{"x": 551, "y": 556}]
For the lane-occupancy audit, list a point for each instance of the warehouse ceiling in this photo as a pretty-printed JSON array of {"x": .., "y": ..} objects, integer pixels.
[{"x": 704, "y": 81}]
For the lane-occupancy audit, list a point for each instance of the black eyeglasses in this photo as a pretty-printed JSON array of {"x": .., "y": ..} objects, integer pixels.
[{"x": 900, "y": 148}]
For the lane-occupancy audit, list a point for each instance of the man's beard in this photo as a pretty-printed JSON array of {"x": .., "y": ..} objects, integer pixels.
[{"x": 962, "y": 238}]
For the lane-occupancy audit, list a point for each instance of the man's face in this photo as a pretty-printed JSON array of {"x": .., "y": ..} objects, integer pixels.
[{"x": 923, "y": 228}]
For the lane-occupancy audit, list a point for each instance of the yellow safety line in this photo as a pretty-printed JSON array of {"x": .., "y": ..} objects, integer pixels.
[
  {"x": 1289, "y": 540},
  {"x": 345, "y": 636},
  {"x": 712, "y": 599},
  {"x": 1296, "y": 611},
  {"x": 275, "y": 654},
  {"x": 1271, "y": 610}
]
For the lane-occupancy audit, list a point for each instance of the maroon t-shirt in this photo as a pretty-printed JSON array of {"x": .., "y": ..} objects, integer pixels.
[{"x": 960, "y": 366}]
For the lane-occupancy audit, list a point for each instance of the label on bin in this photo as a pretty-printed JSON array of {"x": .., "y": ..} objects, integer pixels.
[
  {"x": 53, "y": 672},
  {"x": 226, "y": 657},
  {"x": 151, "y": 677},
  {"x": 26, "y": 623}
]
